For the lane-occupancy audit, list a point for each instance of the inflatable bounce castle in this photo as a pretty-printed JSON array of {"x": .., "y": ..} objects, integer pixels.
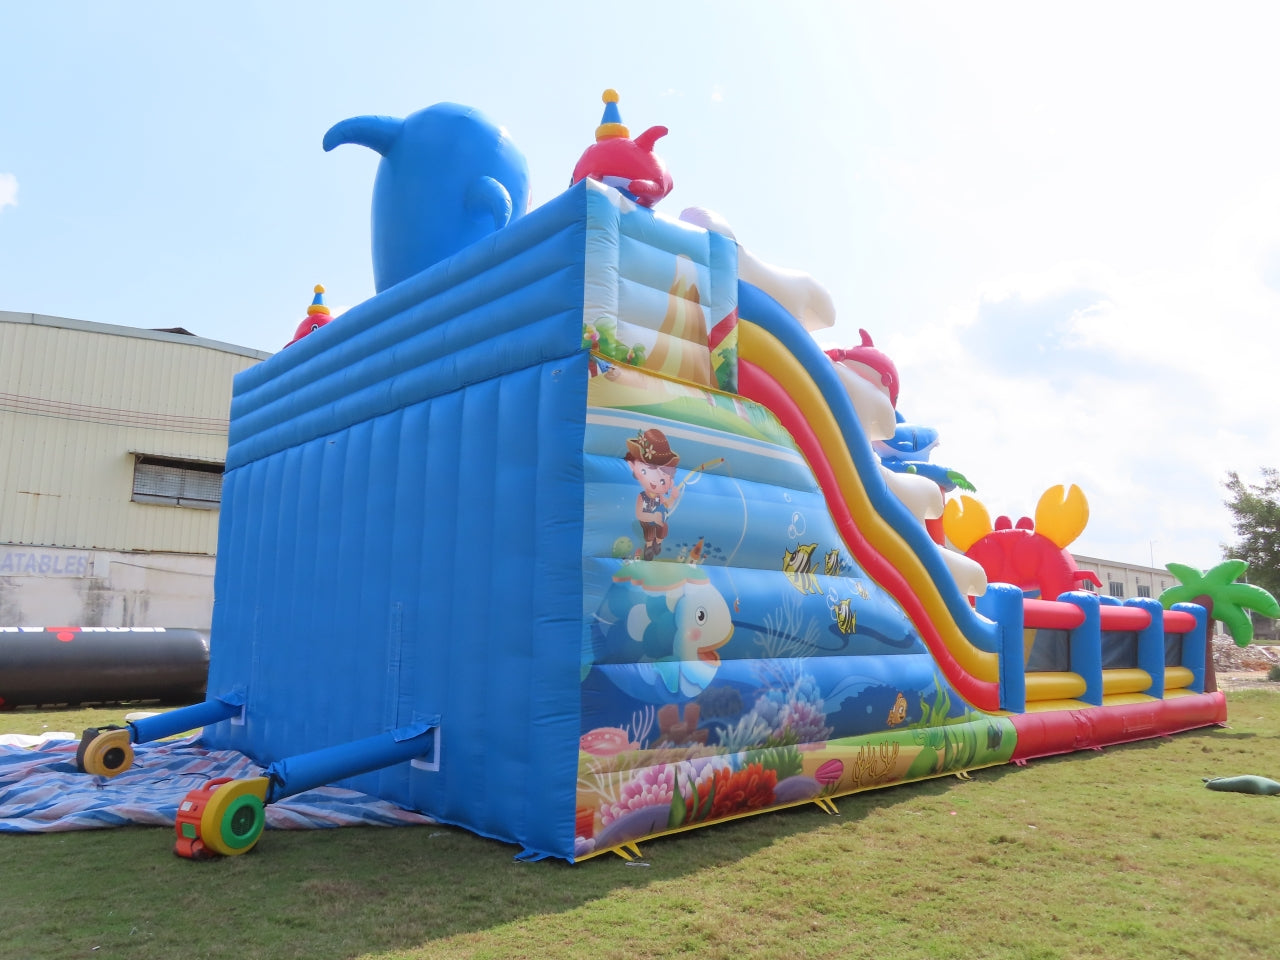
[{"x": 573, "y": 536}]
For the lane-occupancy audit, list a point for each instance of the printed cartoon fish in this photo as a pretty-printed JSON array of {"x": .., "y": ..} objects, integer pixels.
[
  {"x": 862, "y": 591},
  {"x": 695, "y": 554},
  {"x": 898, "y": 712},
  {"x": 797, "y": 564},
  {"x": 665, "y": 621},
  {"x": 846, "y": 616},
  {"x": 832, "y": 563}
]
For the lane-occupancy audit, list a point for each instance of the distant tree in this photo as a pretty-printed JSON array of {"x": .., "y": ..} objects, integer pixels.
[{"x": 1255, "y": 508}]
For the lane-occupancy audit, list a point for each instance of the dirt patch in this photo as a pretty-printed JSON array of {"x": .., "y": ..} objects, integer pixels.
[
  {"x": 1244, "y": 668},
  {"x": 1229, "y": 680}
]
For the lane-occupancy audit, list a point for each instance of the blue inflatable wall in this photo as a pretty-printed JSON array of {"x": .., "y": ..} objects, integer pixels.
[
  {"x": 524, "y": 491},
  {"x": 402, "y": 490}
]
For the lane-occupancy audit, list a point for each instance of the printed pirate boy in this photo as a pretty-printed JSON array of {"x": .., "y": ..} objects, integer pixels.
[{"x": 653, "y": 464}]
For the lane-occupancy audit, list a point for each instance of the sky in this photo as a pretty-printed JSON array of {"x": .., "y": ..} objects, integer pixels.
[{"x": 1062, "y": 221}]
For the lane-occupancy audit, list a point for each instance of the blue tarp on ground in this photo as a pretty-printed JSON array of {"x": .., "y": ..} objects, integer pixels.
[{"x": 42, "y": 792}]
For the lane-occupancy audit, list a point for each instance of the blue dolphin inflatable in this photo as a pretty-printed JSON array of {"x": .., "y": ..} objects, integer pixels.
[
  {"x": 908, "y": 451},
  {"x": 448, "y": 177}
]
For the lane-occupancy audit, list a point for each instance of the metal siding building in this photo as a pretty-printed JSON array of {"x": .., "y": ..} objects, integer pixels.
[
  {"x": 81, "y": 405},
  {"x": 1122, "y": 580}
]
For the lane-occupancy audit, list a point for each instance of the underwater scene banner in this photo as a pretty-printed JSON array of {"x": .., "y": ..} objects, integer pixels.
[{"x": 734, "y": 656}]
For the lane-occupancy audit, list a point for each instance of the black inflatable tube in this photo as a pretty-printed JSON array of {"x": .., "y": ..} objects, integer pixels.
[{"x": 73, "y": 665}]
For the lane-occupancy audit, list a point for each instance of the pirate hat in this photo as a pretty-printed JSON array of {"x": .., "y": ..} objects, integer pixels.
[{"x": 650, "y": 446}]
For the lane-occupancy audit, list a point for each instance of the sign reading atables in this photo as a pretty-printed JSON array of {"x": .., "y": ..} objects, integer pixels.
[{"x": 35, "y": 563}]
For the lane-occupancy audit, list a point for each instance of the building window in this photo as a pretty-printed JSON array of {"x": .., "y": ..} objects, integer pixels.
[
  {"x": 1144, "y": 590},
  {"x": 1116, "y": 588},
  {"x": 178, "y": 483}
]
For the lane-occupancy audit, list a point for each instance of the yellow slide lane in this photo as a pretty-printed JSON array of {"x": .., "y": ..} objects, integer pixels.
[{"x": 763, "y": 350}]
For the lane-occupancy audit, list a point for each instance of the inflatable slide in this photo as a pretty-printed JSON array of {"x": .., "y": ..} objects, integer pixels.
[{"x": 574, "y": 537}]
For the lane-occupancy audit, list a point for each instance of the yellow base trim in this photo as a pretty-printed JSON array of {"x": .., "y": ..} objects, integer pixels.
[
  {"x": 818, "y": 801},
  {"x": 1118, "y": 699},
  {"x": 1045, "y": 706},
  {"x": 1048, "y": 706}
]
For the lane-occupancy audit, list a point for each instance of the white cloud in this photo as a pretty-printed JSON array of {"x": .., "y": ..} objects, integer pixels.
[
  {"x": 1144, "y": 389},
  {"x": 8, "y": 190}
]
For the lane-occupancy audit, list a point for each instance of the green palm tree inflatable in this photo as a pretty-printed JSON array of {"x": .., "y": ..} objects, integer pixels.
[{"x": 1218, "y": 592}]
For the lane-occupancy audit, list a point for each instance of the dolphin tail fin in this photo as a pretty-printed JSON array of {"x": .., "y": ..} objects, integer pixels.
[
  {"x": 376, "y": 133},
  {"x": 651, "y": 136},
  {"x": 488, "y": 198}
]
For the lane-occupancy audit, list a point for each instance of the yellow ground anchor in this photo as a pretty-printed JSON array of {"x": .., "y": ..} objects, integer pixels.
[
  {"x": 628, "y": 852},
  {"x": 827, "y": 805}
]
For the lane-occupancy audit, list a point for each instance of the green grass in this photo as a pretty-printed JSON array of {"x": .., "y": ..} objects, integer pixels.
[
  {"x": 1115, "y": 854},
  {"x": 74, "y": 720}
]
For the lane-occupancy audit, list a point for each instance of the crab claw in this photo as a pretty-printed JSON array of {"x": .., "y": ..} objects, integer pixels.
[
  {"x": 1062, "y": 517},
  {"x": 965, "y": 521}
]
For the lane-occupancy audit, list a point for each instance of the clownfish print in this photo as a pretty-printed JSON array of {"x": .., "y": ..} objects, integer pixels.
[
  {"x": 898, "y": 712},
  {"x": 695, "y": 555}
]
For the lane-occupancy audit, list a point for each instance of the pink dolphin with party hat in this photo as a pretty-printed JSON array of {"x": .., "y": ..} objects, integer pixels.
[
  {"x": 625, "y": 164},
  {"x": 317, "y": 316}
]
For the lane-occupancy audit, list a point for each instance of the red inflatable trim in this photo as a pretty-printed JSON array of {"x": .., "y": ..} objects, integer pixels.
[
  {"x": 1064, "y": 731},
  {"x": 1050, "y": 615},
  {"x": 1123, "y": 618}
]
